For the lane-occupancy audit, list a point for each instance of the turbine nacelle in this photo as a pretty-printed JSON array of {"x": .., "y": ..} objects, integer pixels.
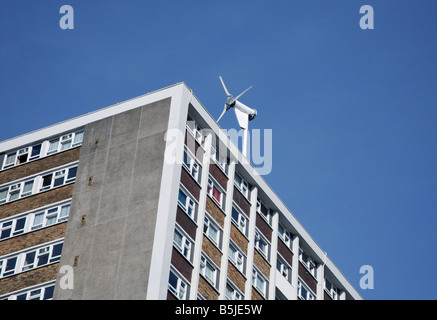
[{"x": 243, "y": 113}]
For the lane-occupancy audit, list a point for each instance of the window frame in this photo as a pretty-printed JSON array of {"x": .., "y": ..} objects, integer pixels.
[
  {"x": 40, "y": 252},
  {"x": 260, "y": 238},
  {"x": 190, "y": 205},
  {"x": 208, "y": 224},
  {"x": 205, "y": 262},
  {"x": 310, "y": 295},
  {"x": 213, "y": 185},
  {"x": 42, "y": 148},
  {"x": 256, "y": 274},
  {"x": 186, "y": 244},
  {"x": 182, "y": 285}
]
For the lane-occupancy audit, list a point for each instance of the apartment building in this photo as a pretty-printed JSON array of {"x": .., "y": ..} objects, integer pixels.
[{"x": 149, "y": 199}]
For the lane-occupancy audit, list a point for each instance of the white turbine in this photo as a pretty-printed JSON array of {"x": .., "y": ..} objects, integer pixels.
[{"x": 243, "y": 113}]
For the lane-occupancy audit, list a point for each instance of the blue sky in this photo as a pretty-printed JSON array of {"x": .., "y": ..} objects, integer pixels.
[{"x": 353, "y": 111}]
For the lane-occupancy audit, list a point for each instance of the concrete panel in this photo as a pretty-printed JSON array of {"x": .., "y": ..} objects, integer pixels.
[
  {"x": 99, "y": 130},
  {"x": 154, "y": 118},
  {"x": 125, "y": 127},
  {"x": 115, "y": 244},
  {"x": 119, "y": 162}
]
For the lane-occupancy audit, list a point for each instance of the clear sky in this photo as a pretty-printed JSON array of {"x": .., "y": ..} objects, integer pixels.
[{"x": 353, "y": 111}]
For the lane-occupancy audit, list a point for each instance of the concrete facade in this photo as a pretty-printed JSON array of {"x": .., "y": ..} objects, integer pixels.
[{"x": 124, "y": 156}]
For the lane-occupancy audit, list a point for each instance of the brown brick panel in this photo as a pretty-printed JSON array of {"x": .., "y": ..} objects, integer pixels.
[
  {"x": 218, "y": 175},
  {"x": 241, "y": 201},
  {"x": 239, "y": 239},
  {"x": 307, "y": 277},
  {"x": 215, "y": 212},
  {"x": 181, "y": 264},
  {"x": 256, "y": 295},
  {"x": 285, "y": 252},
  {"x": 326, "y": 296},
  {"x": 170, "y": 295},
  {"x": 194, "y": 146},
  {"x": 36, "y": 201},
  {"x": 40, "y": 165},
  {"x": 32, "y": 238},
  {"x": 236, "y": 277},
  {"x": 261, "y": 264},
  {"x": 189, "y": 183},
  {"x": 28, "y": 278},
  {"x": 206, "y": 290},
  {"x": 211, "y": 251},
  {"x": 263, "y": 226},
  {"x": 186, "y": 223}
]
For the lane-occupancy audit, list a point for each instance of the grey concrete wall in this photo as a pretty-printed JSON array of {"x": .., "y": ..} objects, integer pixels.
[{"x": 114, "y": 245}]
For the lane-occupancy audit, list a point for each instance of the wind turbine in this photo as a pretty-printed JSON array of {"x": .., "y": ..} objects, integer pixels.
[{"x": 243, "y": 113}]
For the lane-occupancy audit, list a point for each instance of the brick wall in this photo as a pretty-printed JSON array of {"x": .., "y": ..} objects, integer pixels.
[
  {"x": 285, "y": 252},
  {"x": 211, "y": 251},
  {"x": 241, "y": 201},
  {"x": 256, "y": 295},
  {"x": 236, "y": 277},
  {"x": 189, "y": 183},
  {"x": 186, "y": 223},
  {"x": 194, "y": 146},
  {"x": 216, "y": 213},
  {"x": 28, "y": 278},
  {"x": 181, "y": 264},
  {"x": 40, "y": 165},
  {"x": 206, "y": 290},
  {"x": 32, "y": 238},
  {"x": 307, "y": 277},
  {"x": 36, "y": 201},
  {"x": 262, "y": 226},
  {"x": 261, "y": 263},
  {"x": 239, "y": 239},
  {"x": 218, "y": 175}
]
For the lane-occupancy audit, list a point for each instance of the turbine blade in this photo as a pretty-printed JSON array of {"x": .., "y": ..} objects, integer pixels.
[
  {"x": 224, "y": 111},
  {"x": 233, "y": 100},
  {"x": 224, "y": 87}
]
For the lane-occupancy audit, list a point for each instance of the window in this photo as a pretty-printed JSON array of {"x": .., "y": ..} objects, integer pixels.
[
  {"x": 215, "y": 192},
  {"x": 242, "y": 185},
  {"x": 30, "y": 259},
  {"x": 237, "y": 258},
  {"x": 182, "y": 244},
  {"x": 45, "y": 148},
  {"x": 209, "y": 271},
  {"x": 285, "y": 235},
  {"x": 44, "y": 292},
  {"x": 191, "y": 165},
  {"x": 177, "y": 286},
  {"x": 304, "y": 292},
  {"x": 16, "y": 191},
  {"x": 259, "y": 282},
  {"x": 195, "y": 130},
  {"x": 212, "y": 231},
  {"x": 331, "y": 290},
  {"x": 283, "y": 268},
  {"x": 58, "y": 178},
  {"x": 65, "y": 142},
  {"x": 240, "y": 220},
  {"x": 22, "y": 156},
  {"x": 232, "y": 293},
  {"x": 12, "y": 228},
  {"x": 308, "y": 262},
  {"x": 220, "y": 159},
  {"x": 187, "y": 204},
  {"x": 263, "y": 211},
  {"x": 50, "y": 216},
  {"x": 262, "y": 245}
]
